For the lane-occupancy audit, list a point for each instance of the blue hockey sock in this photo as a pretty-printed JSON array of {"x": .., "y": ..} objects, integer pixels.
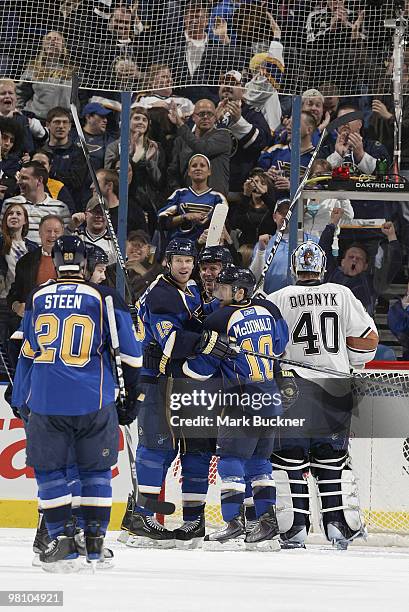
[
  {"x": 249, "y": 508},
  {"x": 259, "y": 473},
  {"x": 151, "y": 468},
  {"x": 195, "y": 482},
  {"x": 55, "y": 499},
  {"x": 74, "y": 485},
  {"x": 96, "y": 498},
  {"x": 231, "y": 471}
]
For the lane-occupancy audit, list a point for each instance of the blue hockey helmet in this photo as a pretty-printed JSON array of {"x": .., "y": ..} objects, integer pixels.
[
  {"x": 308, "y": 257},
  {"x": 95, "y": 255},
  {"x": 181, "y": 246},
  {"x": 238, "y": 278},
  {"x": 69, "y": 254},
  {"x": 214, "y": 254}
]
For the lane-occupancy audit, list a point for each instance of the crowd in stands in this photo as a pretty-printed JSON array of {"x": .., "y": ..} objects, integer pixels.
[{"x": 194, "y": 146}]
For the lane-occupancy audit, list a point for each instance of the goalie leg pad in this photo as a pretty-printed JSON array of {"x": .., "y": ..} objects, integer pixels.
[
  {"x": 292, "y": 506},
  {"x": 337, "y": 488}
]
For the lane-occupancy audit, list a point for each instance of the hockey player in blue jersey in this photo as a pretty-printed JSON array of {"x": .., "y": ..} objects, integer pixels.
[
  {"x": 66, "y": 327},
  {"x": 255, "y": 325},
  {"x": 189, "y": 210},
  {"x": 171, "y": 312},
  {"x": 211, "y": 261}
]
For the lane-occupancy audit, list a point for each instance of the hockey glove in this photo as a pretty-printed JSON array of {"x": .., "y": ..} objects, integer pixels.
[
  {"x": 217, "y": 345},
  {"x": 7, "y": 396},
  {"x": 127, "y": 410},
  {"x": 152, "y": 356},
  {"x": 285, "y": 380}
]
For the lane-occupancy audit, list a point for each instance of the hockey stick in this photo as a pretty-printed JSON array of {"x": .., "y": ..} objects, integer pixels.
[
  {"x": 6, "y": 363},
  {"x": 86, "y": 151},
  {"x": 336, "y": 123},
  {"x": 217, "y": 224},
  {"x": 364, "y": 377},
  {"x": 161, "y": 507}
]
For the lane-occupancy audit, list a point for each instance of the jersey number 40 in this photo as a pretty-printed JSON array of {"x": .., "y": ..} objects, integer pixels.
[{"x": 326, "y": 336}]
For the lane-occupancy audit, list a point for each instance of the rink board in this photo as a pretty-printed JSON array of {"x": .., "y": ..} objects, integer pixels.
[{"x": 381, "y": 465}]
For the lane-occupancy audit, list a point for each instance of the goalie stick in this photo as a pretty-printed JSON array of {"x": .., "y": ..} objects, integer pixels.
[
  {"x": 364, "y": 377},
  {"x": 86, "y": 150},
  {"x": 161, "y": 507},
  {"x": 217, "y": 224},
  {"x": 331, "y": 126}
]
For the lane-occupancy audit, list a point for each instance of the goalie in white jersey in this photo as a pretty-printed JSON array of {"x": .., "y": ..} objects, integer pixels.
[{"x": 330, "y": 328}]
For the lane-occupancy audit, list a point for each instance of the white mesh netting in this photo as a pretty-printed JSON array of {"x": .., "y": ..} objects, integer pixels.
[
  {"x": 380, "y": 464},
  {"x": 290, "y": 44}
]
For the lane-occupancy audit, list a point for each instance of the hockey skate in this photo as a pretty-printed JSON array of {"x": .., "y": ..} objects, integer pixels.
[
  {"x": 265, "y": 536},
  {"x": 41, "y": 540},
  {"x": 341, "y": 536},
  {"x": 146, "y": 532},
  {"x": 229, "y": 538},
  {"x": 126, "y": 520},
  {"x": 294, "y": 537},
  {"x": 190, "y": 534},
  {"x": 106, "y": 560},
  {"x": 61, "y": 555}
]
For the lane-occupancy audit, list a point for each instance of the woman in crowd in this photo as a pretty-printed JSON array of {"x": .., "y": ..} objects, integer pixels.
[
  {"x": 51, "y": 71},
  {"x": 13, "y": 245},
  {"x": 147, "y": 162}
]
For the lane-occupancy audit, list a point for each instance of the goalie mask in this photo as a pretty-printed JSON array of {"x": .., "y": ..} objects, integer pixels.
[{"x": 308, "y": 257}]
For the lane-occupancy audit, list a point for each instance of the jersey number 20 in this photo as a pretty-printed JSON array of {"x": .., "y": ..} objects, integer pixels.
[{"x": 75, "y": 343}]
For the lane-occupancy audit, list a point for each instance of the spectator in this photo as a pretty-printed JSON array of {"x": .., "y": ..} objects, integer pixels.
[
  {"x": 189, "y": 210},
  {"x": 195, "y": 56},
  {"x": 398, "y": 322},
  {"x": 215, "y": 144},
  {"x": 12, "y": 137},
  {"x": 248, "y": 127},
  {"x": 67, "y": 160},
  {"x": 160, "y": 93},
  {"x": 141, "y": 265},
  {"x": 91, "y": 227},
  {"x": 273, "y": 158},
  {"x": 354, "y": 271},
  {"x": 226, "y": 241},
  {"x": 252, "y": 216},
  {"x": 317, "y": 213},
  {"x": 350, "y": 147},
  {"x": 32, "y": 181},
  {"x": 313, "y": 102},
  {"x": 42, "y": 83},
  {"x": 108, "y": 182},
  {"x": 32, "y": 127},
  {"x": 13, "y": 245},
  {"x": 55, "y": 188},
  {"x": 36, "y": 267},
  {"x": 277, "y": 275},
  {"x": 147, "y": 161}
]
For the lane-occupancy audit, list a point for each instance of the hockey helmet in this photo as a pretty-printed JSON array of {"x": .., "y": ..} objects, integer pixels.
[
  {"x": 238, "y": 278},
  {"x": 181, "y": 246},
  {"x": 308, "y": 257},
  {"x": 95, "y": 255},
  {"x": 214, "y": 254},
  {"x": 69, "y": 254}
]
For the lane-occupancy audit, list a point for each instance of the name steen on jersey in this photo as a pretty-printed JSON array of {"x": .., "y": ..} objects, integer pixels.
[
  {"x": 62, "y": 301},
  {"x": 313, "y": 299}
]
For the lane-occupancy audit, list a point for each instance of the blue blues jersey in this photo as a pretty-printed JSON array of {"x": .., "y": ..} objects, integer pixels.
[
  {"x": 184, "y": 201},
  {"x": 172, "y": 318},
  {"x": 21, "y": 381},
  {"x": 256, "y": 326},
  {"x": 66, "y": 328},
  {"x": 281, "y": 153}
]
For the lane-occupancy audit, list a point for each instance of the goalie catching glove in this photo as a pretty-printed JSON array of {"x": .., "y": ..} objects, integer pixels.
[
  {"x": 217, "y": 345},
  {"x": 127, "y": 409},
  {"x": 285, "y": 380}
]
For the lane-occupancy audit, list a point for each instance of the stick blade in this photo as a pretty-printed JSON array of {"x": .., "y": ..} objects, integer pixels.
[
  {"x": 217, "y": 223},
  {"x": 336, "y": 123},
  {"x": 153, "y": 505},
  {"x": 75, "y": 84}
]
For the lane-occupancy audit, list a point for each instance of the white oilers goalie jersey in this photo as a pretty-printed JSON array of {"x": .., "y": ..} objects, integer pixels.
[{"x": 320, "y": 318}]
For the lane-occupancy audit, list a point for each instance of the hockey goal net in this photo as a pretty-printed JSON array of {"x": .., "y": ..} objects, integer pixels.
[{"x": 380, "y": 464}]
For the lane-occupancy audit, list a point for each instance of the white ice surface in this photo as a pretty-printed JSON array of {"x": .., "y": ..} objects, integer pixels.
[{"x": 315, "y": 580}]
